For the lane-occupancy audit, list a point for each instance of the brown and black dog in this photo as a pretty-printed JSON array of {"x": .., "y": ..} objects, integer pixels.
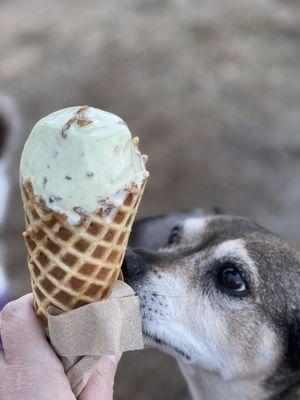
[{"x": 222, "y": 295}]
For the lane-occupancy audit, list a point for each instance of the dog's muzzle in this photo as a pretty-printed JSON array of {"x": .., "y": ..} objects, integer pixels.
[{"x": 137, "y": 262}]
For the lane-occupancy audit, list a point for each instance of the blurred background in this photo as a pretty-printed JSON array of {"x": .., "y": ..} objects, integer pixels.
[{"x": 212, "y": 87}]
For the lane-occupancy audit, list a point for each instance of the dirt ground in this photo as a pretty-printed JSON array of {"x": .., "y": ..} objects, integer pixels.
[{"x": 212, "y": 88}]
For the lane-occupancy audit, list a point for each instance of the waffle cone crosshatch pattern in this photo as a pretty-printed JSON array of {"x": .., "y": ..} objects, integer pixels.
[{"x": 70, "y": 265}]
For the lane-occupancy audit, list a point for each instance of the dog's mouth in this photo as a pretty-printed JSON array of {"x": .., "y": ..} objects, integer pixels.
[{"x": 164, "y": 345}]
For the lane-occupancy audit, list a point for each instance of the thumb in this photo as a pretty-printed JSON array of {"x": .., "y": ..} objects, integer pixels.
[{"x": 101, "y": 384}]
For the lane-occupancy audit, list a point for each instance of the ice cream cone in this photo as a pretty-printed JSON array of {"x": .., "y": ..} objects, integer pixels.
[
  {"x": 82, "y": 177},
  {"x": 73, "y": 265}
]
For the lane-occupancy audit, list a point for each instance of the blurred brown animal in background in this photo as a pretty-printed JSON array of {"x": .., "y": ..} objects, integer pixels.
[{"x": 10, "y": 123}]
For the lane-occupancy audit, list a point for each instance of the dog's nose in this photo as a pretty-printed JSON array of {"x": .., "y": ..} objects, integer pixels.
[
  {"x": 138, "y": 261},
  {"x": 132, "y": 264}
]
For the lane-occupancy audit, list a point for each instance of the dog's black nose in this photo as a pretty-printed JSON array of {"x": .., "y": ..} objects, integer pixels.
[
  {"x": 132, "y": 264},
  {"x": 137, "y": 262}
]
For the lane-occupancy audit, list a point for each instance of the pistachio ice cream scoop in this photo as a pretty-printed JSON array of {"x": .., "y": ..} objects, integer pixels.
[{"x": 81, "y": 158}]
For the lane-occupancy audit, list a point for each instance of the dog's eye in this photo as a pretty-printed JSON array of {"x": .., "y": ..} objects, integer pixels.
[
  {"x": 231, "y": 279},
  {"x": 174, "y": 235}
]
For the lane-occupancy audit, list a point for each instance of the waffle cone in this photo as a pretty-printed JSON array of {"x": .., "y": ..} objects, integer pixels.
[{"x": 72, "y": 266}]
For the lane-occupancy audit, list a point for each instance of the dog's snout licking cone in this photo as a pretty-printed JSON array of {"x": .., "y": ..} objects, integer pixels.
[{"x": 82, "y": 177}]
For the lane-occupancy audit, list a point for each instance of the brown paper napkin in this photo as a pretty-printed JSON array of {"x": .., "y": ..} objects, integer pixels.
[{"x": 80, "y": 337}]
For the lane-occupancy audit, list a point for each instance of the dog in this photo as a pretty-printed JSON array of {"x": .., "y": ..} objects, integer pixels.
[
  {"x": 10, "y": 127},
  {"x": 222, "y": 295}
]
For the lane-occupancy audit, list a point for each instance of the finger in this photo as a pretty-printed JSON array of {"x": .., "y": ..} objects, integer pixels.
[
  {"x": 101, "y": 384},
  {"x": 23, "y": 337}
]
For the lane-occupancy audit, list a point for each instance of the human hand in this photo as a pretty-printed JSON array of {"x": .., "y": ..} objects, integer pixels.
[{"x": 30, "y": 369}]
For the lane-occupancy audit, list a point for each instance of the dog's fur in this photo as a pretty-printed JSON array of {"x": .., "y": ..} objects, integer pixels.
[{"x": 229, "y": 345}]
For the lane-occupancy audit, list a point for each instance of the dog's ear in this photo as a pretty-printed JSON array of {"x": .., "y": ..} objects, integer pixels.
[
  {"x": 152, "y": 233},
  {"x": 3, "y": 134},
  {"x": 292, "y": 356}
]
